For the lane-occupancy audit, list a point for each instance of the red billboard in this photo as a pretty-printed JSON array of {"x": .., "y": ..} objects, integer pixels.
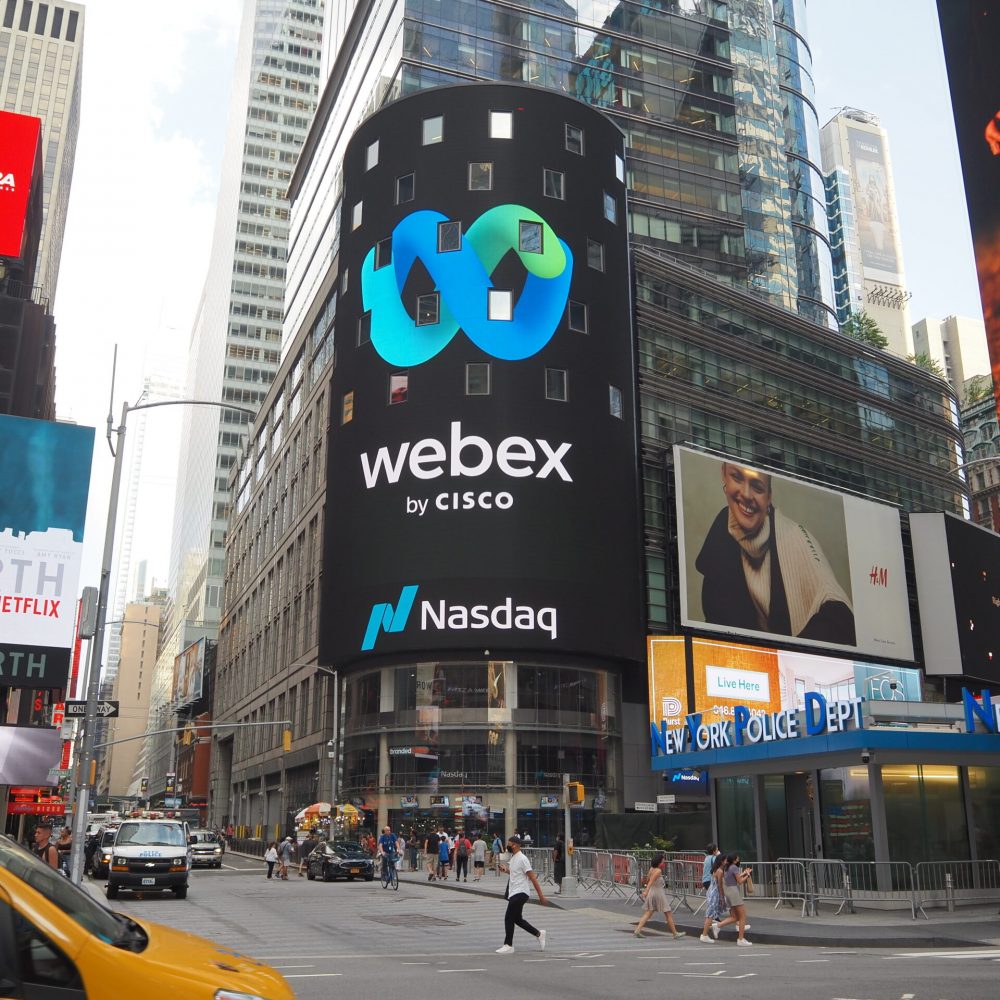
[
  {"x": 970, "y": 30},
  {"x": 19, "y": 149}
]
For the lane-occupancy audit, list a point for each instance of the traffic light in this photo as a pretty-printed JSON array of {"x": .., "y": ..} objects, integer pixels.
[
  {"x": 187, "y": 736},
  {"x": 286, "y": 740},
  {"x": 576, "y": 791}
]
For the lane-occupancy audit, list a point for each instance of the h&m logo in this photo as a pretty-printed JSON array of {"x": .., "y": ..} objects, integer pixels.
[{"x": 7, "y": 182}]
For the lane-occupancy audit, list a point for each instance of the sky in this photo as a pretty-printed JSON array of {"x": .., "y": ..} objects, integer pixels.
[{"x": 147, "y": 171}]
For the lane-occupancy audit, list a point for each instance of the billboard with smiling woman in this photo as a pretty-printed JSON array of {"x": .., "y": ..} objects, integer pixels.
[{"x": 772, "y": 557}]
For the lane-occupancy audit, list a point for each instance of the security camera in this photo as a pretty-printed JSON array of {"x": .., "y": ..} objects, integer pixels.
[
  {"x": 330, "y": 744},
  {"x": 866, "y": 756}
]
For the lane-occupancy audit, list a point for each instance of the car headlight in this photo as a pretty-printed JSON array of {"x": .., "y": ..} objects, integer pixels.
[
  {"x": 178, "y": 861},
  {"x": 218, "y": 850},
  {"x": 107, "y": 857}
]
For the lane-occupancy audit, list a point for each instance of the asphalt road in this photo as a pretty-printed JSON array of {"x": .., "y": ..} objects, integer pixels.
[{"x": 363, "y": 941}]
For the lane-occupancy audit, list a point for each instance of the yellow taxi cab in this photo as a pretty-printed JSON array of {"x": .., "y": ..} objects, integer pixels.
[{"x": 58, "y": 941}]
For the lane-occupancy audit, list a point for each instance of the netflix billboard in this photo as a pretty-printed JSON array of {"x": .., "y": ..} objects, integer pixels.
[{"x": 20, "y": 152}]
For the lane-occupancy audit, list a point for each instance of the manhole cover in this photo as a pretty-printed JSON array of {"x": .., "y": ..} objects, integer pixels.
[{"x": 415, "y": 920}]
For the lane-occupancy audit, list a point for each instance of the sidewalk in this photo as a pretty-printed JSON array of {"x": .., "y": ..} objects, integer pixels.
[{"x": 967, "y": 927}]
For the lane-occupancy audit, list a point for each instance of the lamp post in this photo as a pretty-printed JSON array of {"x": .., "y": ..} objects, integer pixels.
[
  {"x": 333, "y": 745},
  {"x": 97, "y": 643}
]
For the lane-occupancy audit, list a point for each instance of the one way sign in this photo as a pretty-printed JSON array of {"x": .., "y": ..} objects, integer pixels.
[{"x": 105, "y": 709}]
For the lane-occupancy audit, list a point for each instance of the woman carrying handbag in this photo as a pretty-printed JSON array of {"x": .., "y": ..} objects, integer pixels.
[{"x": 655, "y": 895}]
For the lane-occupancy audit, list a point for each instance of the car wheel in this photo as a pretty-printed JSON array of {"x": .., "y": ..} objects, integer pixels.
[
  {"x": 311, "y": 875},
  {"x": 218, "y": 864},
  {"x": 112, "y": 892},
  {"x": 328, "y": 876},
  {"x": 181, "y": 891}
]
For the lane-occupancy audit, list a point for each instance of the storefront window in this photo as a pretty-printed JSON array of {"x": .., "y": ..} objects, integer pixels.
[
  {"x": 543, "y": 758},
  {"x": 924, "y": 813},
  {"x": 777, "y": 817},
  {"x": 846, "y": 810},
  {"x": 737, "y": 827},
  {"x": 362, "y": 696},
  {"x": 984, "y": 792}
]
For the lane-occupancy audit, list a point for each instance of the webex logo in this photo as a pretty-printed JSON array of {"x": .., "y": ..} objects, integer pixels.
[
  {"x": 462, "y": 278},
  {"x": 444, "y": 617}
]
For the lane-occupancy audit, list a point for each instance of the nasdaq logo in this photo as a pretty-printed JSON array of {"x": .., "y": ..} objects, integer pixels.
[
  {"x": 462, "y": 278},
  {"x": 386, "y": 618}
]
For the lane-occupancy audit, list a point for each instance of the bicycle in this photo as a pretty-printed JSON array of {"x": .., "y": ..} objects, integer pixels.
[{"x": 390, "y": 876}]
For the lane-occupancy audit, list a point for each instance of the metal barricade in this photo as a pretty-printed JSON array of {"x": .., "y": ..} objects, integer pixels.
[
  {"x": 950, "y": 882},
  {"x": 884, "y": 883},
  {"x": 541, "y": 863},
  {"x": 584, "y": 863},
  {"x": 783, "y": 880},
  {"x": 682, "y": 878}
]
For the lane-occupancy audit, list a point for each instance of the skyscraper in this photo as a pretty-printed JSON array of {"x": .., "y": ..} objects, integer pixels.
[
  {"x": 41, "y": 48},
  {"x": 235, "y": 341},
  {"x": 712, "y": 98},
  {"x": 861, "y": 202}
]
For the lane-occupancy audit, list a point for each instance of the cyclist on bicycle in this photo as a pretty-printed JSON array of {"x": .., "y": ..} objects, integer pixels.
[{"x": 387, "y": 848}]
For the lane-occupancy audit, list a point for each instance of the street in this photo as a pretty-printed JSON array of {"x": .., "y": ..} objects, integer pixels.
[{"x": 361, "y": 940}]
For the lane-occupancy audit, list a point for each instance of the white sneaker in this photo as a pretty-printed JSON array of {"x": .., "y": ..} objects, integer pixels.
[
  {"x": 706, "y": 939},
  {"x": 505, "y": 949},
  {"x": 715, "y": 929},
  {"x": 541, "y": 940},
  {"x": 744, "y": 943}
]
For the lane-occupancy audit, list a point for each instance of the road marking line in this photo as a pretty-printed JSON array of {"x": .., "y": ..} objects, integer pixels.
[
  {"x": 414, "y": 963},
  {"x": 813, "y": 961},
  {"x": 591, "y": 966},
  {"x": 967, "y": 953},
  {"x": 461, "y": 970},
  {"x": 710, "y": 975},
  {"x": 907, "y": 996},
  {"x": 546, "y": 960}
]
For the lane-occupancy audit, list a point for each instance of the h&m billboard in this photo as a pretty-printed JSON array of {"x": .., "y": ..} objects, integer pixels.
[
  {"x": 45, "y": 469},
  {"x": 957, "y": 565},
  {"x": 768, "y": 556},
  {"x": 970, "y": 30},
  {"x": 482, "y": 484},
  {"x": 726, "y": 674},
  {"x": 19, "y": 149}
]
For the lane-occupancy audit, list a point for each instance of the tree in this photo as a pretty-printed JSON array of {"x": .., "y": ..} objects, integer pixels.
[
  {"x": 978, "y": 388},
  {"x": 863, "y": 327},
  {"x": 926, "y": 362}
]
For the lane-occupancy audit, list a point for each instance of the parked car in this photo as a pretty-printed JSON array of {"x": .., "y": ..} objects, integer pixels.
[
  {"x": 101, "y": 862},
  {"x": 57, "y": 940},
  {"x": 207, "y": 848},
  {"x": 332, "y": 861}
]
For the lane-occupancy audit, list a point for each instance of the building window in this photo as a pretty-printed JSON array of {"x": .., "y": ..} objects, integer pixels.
[
  {"x": 405, "y": 188},
  {"x": 399, "y": 387},
  {"x": 347, "y": 407},
  {"x": 364, "y": 328},
  {"x": 480, "y": 176},
  {"x": 574, "y": 139},
  {"x": 555, "y": 184},
  {"x": 343, "y": 281},
  {"x": 577, "y": 316},
  {"x": 500, "y": 304},
  {"x": 383, "y": 253},
  {"x": 610, "y": 208},
  {"x": 428, "y": 307},
  {"x": 356, "y": 215},
  {"x": 615, "y": 401},
  {"x": 371, "y": 155},
  {"x": 529, "y": 237},
  {"x": 477, "y": 378},
  {"x": 449, "y": 237},
  {"x": 595, "y": 255},
  {"x": 501, "y": 125},
  {"x": 619, "y": 168},
  {"x": 433, "y": 130},
  {"x": 555, "y": 384}
]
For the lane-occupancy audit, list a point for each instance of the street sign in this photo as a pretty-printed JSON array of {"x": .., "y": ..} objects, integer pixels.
[
  {"x": 105, "y": 709},
  {"x": 645, "y": 807},
  {"x": 666, "y": 800}
]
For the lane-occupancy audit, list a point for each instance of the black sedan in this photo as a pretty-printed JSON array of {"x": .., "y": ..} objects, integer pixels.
[
  {"x": 101, "y": 861},
  {"x": 332, "y": 861}
]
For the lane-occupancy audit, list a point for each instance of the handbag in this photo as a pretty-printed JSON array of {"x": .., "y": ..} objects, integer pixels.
[{"x": 748, "y": 886}]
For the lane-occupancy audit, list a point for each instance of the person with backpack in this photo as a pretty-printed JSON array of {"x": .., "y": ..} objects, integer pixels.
[
  {"x": 271, "y": 858},
  {"x": 444, "y": 856},
  {"x": 496, "y": 850},
  {"x": 463, "y": 848}
]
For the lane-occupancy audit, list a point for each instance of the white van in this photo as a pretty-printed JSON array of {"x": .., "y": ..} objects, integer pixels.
[{"x": 150, "y": 855}]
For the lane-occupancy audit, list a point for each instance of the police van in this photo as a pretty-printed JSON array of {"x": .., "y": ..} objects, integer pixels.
[{"x": 150, "y": 855}]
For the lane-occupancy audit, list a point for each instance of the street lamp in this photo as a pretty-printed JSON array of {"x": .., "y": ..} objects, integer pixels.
[{"x": 97, "y": 643}]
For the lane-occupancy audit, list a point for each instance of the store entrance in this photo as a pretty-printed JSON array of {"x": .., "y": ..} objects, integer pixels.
[{"x": 789, "y": 801}]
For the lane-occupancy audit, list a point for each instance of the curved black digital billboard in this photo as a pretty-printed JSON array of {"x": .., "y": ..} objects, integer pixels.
[{"x": 482, "y": 453}]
